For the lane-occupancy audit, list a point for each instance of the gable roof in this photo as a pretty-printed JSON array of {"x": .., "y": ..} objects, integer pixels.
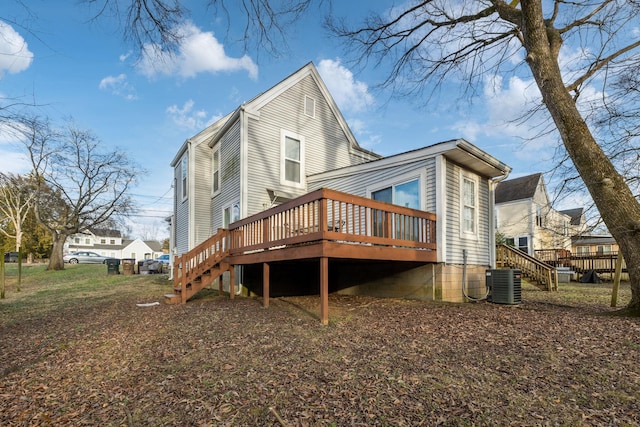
[
  {"x": 104, "y": 232},
  {"x": 518, "y": 188},
  {"x": 253, "y": 106},
  {"x": 575, "y": 214}
]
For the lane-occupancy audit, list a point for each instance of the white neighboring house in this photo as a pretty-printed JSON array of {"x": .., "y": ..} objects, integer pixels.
[
  {"x": 111, "y": 244},
  {"x": 526, "y": 219}
]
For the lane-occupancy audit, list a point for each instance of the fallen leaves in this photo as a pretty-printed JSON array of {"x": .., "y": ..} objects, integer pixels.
[{"x": 380, "y": 362}]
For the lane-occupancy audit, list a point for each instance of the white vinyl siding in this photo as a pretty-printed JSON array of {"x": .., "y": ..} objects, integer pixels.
[
  {"x": 229, "y": 146},
  {"x": 181, "y": 208},
  {"x": 200, "y": 177},
  {"x": 477, "y": 248},
  {"x": 325, "y": 143}
]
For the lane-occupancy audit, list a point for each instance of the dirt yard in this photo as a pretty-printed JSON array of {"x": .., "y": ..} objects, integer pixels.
[{"x": 103, "y": 360}]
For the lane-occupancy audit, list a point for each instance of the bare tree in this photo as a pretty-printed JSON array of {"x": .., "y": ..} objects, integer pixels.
[
  {"x": 79, "y": 186},
  {"x": 16, "y": 202},
  {"x": 428, "y": 43}
]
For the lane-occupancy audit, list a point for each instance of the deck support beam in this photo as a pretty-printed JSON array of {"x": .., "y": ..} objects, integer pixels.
[
  {"x": 324, "y": 290},
  {"x": 265, "y": 285},
  {"x": 232, "y": 282}
]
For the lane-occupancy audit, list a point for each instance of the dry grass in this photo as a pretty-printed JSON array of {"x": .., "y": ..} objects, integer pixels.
[{"x": 77, "y": 350}]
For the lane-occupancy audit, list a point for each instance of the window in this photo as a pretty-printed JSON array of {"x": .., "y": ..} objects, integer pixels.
[
  {"x": 87, "y": 241},
  {"x": 309, "y": 106},
  {"x": 230, "y": 214},
  {"x": 523, "y": 244},
  {"x": 76, "y": 240},
  {"x": 469, "y": 206},
  {"x": 583, "y": 250},
  {"x": 112, "y": 241},
  {"x": 215, "y": 166},
  {"x": 405, "y": 194},
  {"x": 539, "y": 217},
  {"x": 604, "y": 249},
  {"x": 520, "y": 243},
  {"x": 103, "y": 241},
  {"x": 183, "y": 172},
  {"x": 292, "y": 161}
]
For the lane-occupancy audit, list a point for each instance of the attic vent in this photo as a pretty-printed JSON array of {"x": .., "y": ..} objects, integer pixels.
[{"x": 309, "y": 106}]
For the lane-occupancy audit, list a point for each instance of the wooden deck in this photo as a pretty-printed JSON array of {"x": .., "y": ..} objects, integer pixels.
[{"x": 320, "y": 225}]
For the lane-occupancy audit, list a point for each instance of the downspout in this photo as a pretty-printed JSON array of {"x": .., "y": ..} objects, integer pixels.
[{"x": 493, "y": 183}]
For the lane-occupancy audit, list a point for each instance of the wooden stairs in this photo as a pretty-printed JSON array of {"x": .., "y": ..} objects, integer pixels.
[
  {"x": 539, "y": 273},
  {"x": 200, "y": 267}
]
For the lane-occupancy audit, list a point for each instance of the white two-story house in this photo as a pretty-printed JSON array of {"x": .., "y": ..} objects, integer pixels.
[{"x": 292, "y": 140}]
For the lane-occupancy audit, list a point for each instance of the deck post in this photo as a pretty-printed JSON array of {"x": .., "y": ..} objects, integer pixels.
[
  {"x": 232, "y": 282},
  {"x": 183, "y": 279},
  {"x": 324, "y": 290},
  {"x": 265, "y": 285},
  {"x": 220, "y": 282}
]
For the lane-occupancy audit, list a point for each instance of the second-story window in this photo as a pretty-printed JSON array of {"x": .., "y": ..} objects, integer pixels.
[
  {"x": 215, "y": 167},
  {"x": 184, "y": 166},
  {"x": 292, "y": 160}
]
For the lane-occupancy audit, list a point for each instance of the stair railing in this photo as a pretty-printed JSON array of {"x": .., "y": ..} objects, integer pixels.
[
  {"x": 507, "y": 256},
  {"x": 204, "y": 257}
]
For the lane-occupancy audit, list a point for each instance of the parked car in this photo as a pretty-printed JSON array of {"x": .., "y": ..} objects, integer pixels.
[
  {"x": 11, "y": 257},
  {"x": 164, "y": 258},
  {"x": 85, "y": 257}
]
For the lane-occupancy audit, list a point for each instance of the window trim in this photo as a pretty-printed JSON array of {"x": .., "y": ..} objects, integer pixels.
[
  {"x": 284, "y": 134},
  {"x": 215, "y": 191},
  {"x": 463, "y": 232},
  {"x": 184, "y": 177}
]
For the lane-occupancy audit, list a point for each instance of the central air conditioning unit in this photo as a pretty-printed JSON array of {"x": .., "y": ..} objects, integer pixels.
[{"x": 505, "y": 286}]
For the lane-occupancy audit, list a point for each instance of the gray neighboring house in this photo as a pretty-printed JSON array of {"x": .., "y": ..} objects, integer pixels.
[{"x": 292, "y": 139}]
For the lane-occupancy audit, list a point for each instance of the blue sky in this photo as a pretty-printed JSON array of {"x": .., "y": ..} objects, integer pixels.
[{"x": 77, "y": 68}]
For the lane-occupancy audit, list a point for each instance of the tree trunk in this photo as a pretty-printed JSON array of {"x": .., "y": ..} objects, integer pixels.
[
  {"x": 618, "y": 208},
  {"x": 57, "y": 252}
]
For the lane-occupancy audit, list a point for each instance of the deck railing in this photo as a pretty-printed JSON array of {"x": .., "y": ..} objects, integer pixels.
[
  {"x": 321, "y": 215},
  {"x": 332, "y": 215}
]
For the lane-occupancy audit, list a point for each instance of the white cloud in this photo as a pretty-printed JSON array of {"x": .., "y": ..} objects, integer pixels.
[
  {"x": 350, "y": 94},
  {"x": 12, "y": 157},
  {"x": 199, "y": 52},
  {"x": 504, "y": 105},
  {"x": 119, "y": 86},
  {"x": 365, "y": 137},
  {"x": 14, "y": 51},
  {"x": 189, "y": 118}
]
